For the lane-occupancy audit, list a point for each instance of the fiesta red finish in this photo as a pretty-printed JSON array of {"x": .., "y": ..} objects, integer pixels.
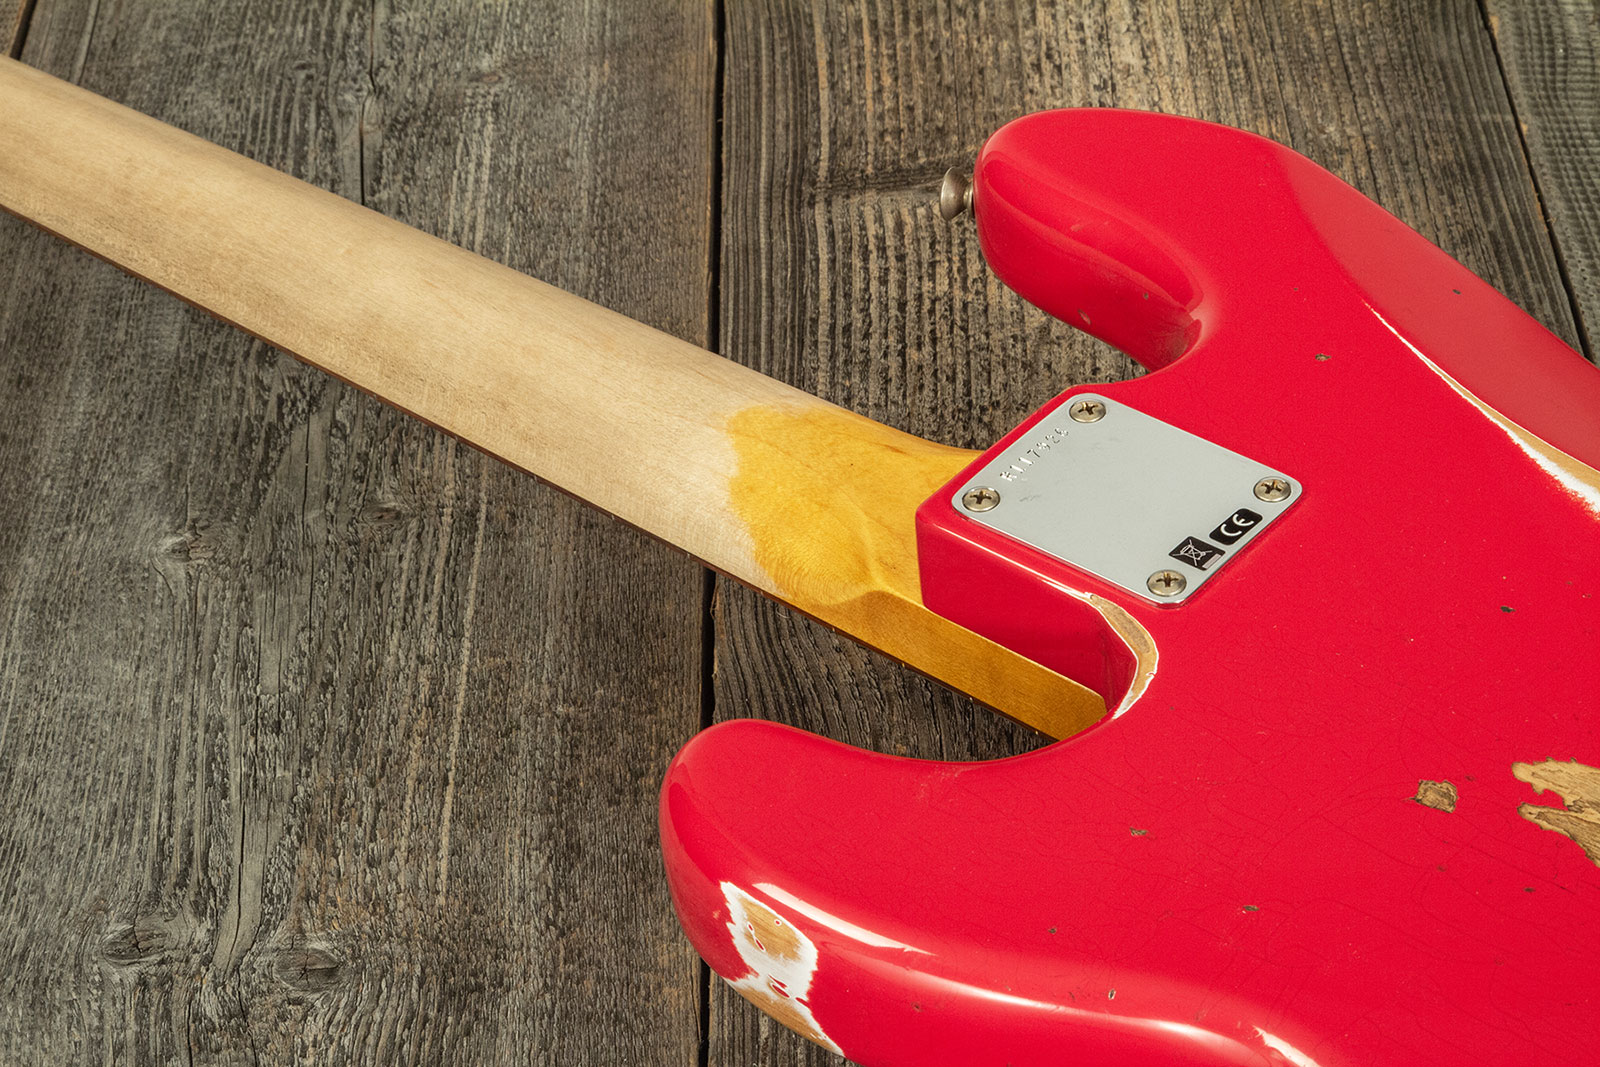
[{"x": 1233, "y": 869}]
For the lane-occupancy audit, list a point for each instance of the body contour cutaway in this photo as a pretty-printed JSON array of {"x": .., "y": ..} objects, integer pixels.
[{"x": 1345, "y": 809}]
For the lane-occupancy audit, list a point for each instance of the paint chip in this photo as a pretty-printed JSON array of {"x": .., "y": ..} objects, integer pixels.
[
  {"x": 1579, "y": 788},
  {"x": 1438, "y": 795},
  {"x": 1286, "y": 1050},
  {"x": 782, "y": 963}
]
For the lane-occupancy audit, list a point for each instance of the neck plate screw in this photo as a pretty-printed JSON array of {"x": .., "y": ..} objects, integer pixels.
[
  {"x": 980, "y": 498},
  {"x": 1272, "y": 489},
  {"x": 1167, "y": 583},
  {"x": 1087, "y": 411}
]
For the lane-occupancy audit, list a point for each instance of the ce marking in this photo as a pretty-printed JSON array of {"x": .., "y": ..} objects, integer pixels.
[{"x": 1235, "y": 526}]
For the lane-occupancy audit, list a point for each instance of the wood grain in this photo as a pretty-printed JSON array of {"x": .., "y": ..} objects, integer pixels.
[
  {"x": 243, "y": 696},
  {"x": 802, "y": 500},
  {"x": 14, "y": 26},
  {"x": 328, "y": 740},
  {"x": 839, "y": 276},
  {"x": 1550, "y": 54}
]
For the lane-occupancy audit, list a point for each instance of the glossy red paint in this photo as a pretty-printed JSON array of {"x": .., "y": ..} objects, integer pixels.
[{"x": 1232, "y": 870}]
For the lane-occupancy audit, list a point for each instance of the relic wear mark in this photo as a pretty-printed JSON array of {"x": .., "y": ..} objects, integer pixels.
[
  {"x": 1570, "y": 473},
  {"x": 1440, "y": 795},
  {"x": 1579, "y": 787},
  {"x": 852, "y": 484},
  {"x": 829, "y": 499},
  {"x": 782, "y": 962}
]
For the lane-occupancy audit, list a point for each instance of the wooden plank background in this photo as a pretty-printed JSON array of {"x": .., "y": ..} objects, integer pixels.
[{"x": 324, "y": 739}]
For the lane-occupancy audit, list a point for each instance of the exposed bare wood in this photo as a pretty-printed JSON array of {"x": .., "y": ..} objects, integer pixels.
[{"x": 1578, "y": 786}]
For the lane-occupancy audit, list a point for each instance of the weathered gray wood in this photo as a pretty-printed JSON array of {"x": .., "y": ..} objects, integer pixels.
[
  {"x": 324, "y": 739},
  {"x": 839, "y": 276},
  {"x": 1550, "y": 54},
  {"x": 13, "y": 24}
]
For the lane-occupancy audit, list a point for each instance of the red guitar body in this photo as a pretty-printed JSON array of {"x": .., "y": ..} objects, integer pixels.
[{"x": 1338, "y": 816}]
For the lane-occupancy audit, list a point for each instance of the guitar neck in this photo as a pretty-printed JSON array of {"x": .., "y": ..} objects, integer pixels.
[{"x": 801, "y": 499}]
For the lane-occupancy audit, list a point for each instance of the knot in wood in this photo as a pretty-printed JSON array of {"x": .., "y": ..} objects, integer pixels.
[
  {"x": 144, "y": 941},
  {"x": 308, "y": 969}
]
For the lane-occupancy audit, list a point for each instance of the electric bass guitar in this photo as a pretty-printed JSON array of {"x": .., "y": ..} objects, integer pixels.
[{"x": 1315, "y": 600}]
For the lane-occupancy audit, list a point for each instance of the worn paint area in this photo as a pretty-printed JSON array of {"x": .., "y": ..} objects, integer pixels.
[
  {"x": 1579, "y": 787},
  {"x": 829, "y": 501},
  {"x": 1439, "y": 795},
  {"x": 1569, "y": 473},
  {"x": 1284, "y": 1049},
  {"x": 782, "y": 963},
  {"x": 1139, "y": 642},
  {"x": 829, "y": 498}
]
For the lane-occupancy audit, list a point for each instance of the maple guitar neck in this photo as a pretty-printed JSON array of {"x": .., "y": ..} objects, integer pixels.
[{"x": 803, "y": 500}]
